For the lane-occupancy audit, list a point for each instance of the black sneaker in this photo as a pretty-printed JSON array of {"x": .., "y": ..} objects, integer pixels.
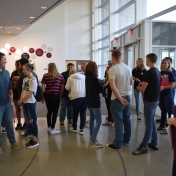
[
  {"x": 140, "y": 150},
  {"x": 153, "y": 146},
  {"x": 158, "y": 120},
  {"x": 32, "y": 144},
  {"x": 160, "y": 129},
  {"x": 18, "y": 127},
  {"x": 26, "y": 135},
  {"x": 111, "y": 146},
  {"x": 3, "y": 131},
  {"x": 24, "y": 127},
  {"x": 29, "y": 143},
  {"x": 138, "y": 118}
]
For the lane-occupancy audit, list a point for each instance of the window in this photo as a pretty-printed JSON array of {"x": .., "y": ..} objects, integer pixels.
[
  {"x": 125, "y": 18},
  {"x": 104, "y": 29},
  {"x": 101, "y": 71},
  {"x": 104, "y": 43},
  {"x": 120, "y": 3},
  {"x": 101, "y": 1},
  {"x": 103, "y": 56},
  {"x": 104, "y": 12}
]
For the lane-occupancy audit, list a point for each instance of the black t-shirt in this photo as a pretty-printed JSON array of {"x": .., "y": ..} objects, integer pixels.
[
  {"x": 138, "y": 73},
  {"x": 65, "y": 75},
  {"x": 166, "y": 77},
  {"x": 153, "y": 78}
]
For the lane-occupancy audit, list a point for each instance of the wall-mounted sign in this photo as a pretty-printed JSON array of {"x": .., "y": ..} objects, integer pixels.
[
  {"x": 48, "y": 55},
  {"x": 12, "y": 49},
  {"x": 31, "y": 50},
  {"x": 39, "y": 52}
]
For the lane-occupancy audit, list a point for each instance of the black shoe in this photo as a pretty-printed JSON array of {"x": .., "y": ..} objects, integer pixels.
[
  {"x": 3, "y": 131},
  {"x": 26, "y": 135},
  {"x": 29, "y": 143},
  {"x": 160, "y": 129},
  {"x": 24, "y": 127},
  {"x": 153, "y": 146},
  {"x": 158, "y": 120},
  {"x": 111, "y": 146},
  {"x": 18, "y": 127},
  {"x": 140, "y": 150},
  {"x": 32, "y": 144},
  {"x": 138, "y": 118}
]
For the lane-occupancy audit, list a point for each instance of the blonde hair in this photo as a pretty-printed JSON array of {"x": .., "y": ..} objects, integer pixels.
[
  {"x": 84, "y": 63},
  {"x": 52, "y": 70},
  {"x": 72, "y": 72},
  {"x": 142, "y": 67},
  {"x": 168, "y": 61}
]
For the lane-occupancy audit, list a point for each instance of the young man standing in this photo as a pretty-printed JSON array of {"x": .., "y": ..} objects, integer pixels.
[
  {"x": 65, "y": 101},
  {"x": 6, "y": 98},
  {"x": 120, "y": 80},
  {"x": 151, "y": 88}
]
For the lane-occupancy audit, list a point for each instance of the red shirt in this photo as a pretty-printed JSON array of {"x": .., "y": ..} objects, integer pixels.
[{"x": 52, "y": 85}]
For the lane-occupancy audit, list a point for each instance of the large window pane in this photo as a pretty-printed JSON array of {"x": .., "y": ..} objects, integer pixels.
[
  {"x": 120, "y": 3},
  {"x": 104, "y": 29},
  {"x": 125, "y": 18},
  {"x": 103, "y": 56},
  {"x": 101, "y": 1},
  {"x": 101, "y": 71},
  {"x": 104, "y": 43},
  {"x": 104, "y": 12}
]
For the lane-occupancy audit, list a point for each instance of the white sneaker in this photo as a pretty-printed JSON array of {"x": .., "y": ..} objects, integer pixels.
[
  {"x": 72, "y": 130},
  {"x": 49, "y": 129},
  {"x": 81, "y": 132},
  {"x": 55, "y": 131}
]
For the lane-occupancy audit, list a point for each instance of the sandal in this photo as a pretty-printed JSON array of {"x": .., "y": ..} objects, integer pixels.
[{"x": 163, "y": 132}]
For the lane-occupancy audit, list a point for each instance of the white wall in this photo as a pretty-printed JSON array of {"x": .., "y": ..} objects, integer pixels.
[{"x": 67, "y": 29}]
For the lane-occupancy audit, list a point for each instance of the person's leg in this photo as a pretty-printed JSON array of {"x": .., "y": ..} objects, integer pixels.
[
  {"x": 149, "y": 114},
  {"x": 26, "y": 114},
  {"x": 82, "y": 110},
  {"x": 91, "y": 122},
  {"x": 127, "y": 122},
  {"x": 18, "y": 111},
  {"x": 2, "y": 109},
  {"x": 169, "y": 104},
  {"x": 162, "y": 105},
  {"x": 49, "y": 105},
  {"x": 69, "y": 111},
  {"x": 97, "y": 115},
  {"x": 7, "y": 119},
  {"x": 63, "y": 108},
  {"x": 76, "y": 107},
  {"x": 136, "y": 95},
  {"x": 117, "y": 114},
  {"x": 55, "y": 103},
  {"x": 174, "y": 168}
]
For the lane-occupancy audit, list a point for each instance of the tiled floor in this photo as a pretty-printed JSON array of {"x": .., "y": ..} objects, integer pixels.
[{"x": 68, "y": 154}]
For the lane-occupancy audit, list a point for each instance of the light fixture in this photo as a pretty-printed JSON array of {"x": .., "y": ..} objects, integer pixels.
[
  {"x": 7, "y": 46},
  {"x": 32, "y": 17},
  {"x": 3, "y": 50},
  {"x": 18, "y": 52},
  {"x": 18, "y": 28},
  {"x": 25, "y": 49},
  {"x": 43, "y": 7}
]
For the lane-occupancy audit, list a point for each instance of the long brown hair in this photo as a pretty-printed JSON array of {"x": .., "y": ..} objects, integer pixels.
[
  {"x": 92, "y": 68},
  {"x": 168, "y": 61},
  {"x": 52, "y": 70},
  {"x": 142, "y": 66}
]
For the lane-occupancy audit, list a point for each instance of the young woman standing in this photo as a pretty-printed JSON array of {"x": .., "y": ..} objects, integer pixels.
[
  {"x": 15, "y": 87},
  {"x": 138, "y": 74},
  {"x": 166, "y": 96},
  {"x": 93, "y": 89},
  {"x": 51, "y": 86},
  {"x": 27, "y": 102}
]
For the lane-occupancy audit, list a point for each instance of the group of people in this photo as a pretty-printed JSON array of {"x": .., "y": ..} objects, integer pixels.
[{"x": 76, "y": 92}]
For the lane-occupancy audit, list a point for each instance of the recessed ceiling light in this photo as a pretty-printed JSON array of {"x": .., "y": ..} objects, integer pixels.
[
  {"x": 18, "y": 28},
  {"x": 8, "y": 32},
  {"x": 43, "y": 7},
  {"x": 31, "y": 17}
]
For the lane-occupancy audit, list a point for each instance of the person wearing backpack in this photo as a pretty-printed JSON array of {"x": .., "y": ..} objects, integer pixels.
[
  {"x": 51, "y": 85},
  {"x": 27, "y": 102}
]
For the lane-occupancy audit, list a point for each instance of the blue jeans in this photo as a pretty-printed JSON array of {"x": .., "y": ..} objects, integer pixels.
[
  {"x": 150, "y": 124},
  {"x": 30, "y": 112},
  {"x": 136, "y": 95},
  {"x": 2, "y": 124},
  {"x": 166, "y": 106},
  {"x": 95, "y": 114},
  {"x": 6, "y": 117},
  {"x": 79, "y": 106},
  {"x": 65, "y": 104},
  {"x": 121, "y": 117}
]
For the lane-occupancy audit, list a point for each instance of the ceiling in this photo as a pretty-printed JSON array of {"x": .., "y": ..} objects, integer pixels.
[{"x": 15, "y": 14}]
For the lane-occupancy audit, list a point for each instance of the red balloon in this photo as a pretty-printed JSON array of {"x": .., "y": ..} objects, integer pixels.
[
  {"x": 48, "y": 55},
  {"x": 12, "y": 49},
  {"x": 31, "y": 50},
  {"x": 39, "y": 52}
]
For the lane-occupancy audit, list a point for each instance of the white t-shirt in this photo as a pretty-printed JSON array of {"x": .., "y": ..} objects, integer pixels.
[
  {"x": 29, "y": 84},
  {"x": 121, "y": 73}
]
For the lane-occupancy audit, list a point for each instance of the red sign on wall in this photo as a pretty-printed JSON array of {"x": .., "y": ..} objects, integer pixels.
[
  {"x": 39, "y": 52},
  {"x": 31, "y": 50},
  {"x": 12, "y": 49},
  {"x": 48, "y": 55}
]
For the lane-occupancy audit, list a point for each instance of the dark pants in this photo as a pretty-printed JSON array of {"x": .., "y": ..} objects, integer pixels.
[
  {"x": 52, "y": 104},
  {"x": 79, "y": 105},
  {"x": 30, "y": 112},
  {"x": 174, "y": 168},
  {"x": 166, "y": 106},
  {"x": 108, "y": 103}
]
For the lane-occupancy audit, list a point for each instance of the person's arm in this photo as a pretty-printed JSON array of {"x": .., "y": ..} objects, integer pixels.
[
  {"x": 134, "y": 76},
  {"x": 10, "y": 91},
  {"x": 27, "y": 96},
  {"x": 97, "y": 85},
  {"x": 142, "y": 86},
  {"x": 43, "y": 87},
  {"x": 170, "y": 86},
  {"x": 172, "y": 121},
  {"x": 68, "y": 84}
]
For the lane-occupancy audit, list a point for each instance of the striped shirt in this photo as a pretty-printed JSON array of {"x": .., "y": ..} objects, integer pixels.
[{"x": 52, "y": 85}]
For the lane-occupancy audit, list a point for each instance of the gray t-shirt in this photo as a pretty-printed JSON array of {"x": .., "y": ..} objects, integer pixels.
[{"x": 121, "y": 73}]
